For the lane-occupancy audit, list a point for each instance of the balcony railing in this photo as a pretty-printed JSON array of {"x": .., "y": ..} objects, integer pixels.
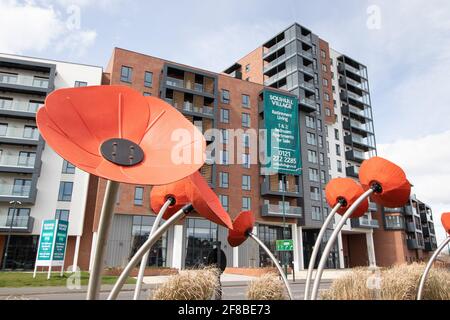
[
  {"x": 412, "y": 244},
  {"x": 275, "y": 77},
  {"x": 11, "y": 190},
  {"x": 24, "y": 80},
  {"x": 20, "y": 223},
  {"x": 16, "y": 161},
  {"x": 276, "y": 187},
  {"x": 277, "y": 211},
  {"x": 364, "y": 223},
  {"x": 309, "y": 102},
  {"x": 307, "y": 69},
  {"x": 307, "y": 85},
  {"x": 12, "y": 105},
  {"x": 410, "y": 227},
  {"x": 19, "y": 133}
]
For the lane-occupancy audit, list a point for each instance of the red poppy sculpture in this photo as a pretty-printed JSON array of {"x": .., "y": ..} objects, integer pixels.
[
  {"x": 242, "y": 229},
  {"x": 173, "y": 202},
  {"x": 340, "y": 194},
  {"x": 386, "y": 184},
  {"x": 445, "y": 219},
  {"x": 116, "y": 133}
]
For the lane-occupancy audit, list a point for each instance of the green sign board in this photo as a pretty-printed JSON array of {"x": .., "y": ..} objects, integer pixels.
[
  {"x": 285, "y": 245},
  {"x": 282, "y": 125},
  {"x": 52, "y": 243}
]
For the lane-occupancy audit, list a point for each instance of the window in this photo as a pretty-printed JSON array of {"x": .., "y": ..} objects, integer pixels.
[
  {"x": 324, "y": 67},
  {"x": 339, "y": 166},
  {"x": 313, "y": 174},
  {"x": 245, "y": 182},
  {"x": 319, "y": 124},
  {"x": 40, "y": 82},
  {"x": 224, "y": 160},
  {"x": 224, "y": 115},
  {"x": 138, "y": 196},
  {"x": 246, "y": 203},
  {"x": 224, "y": 201},
  {"x": 247, "y": 68},
  {"x": 80, "y": 84},
  {"x": 312, "y": 156},
  {"x": 148, "y": 79},
  {"x": 325, "y": 82},
  {"x": 126, "y": 74},
  {"x": 65, "y": 191},
  {"x": 26, "y": 159},
  {"x": 246, "y": 160},
  {"x": 322, "y": 159},
  {"x": 21, "y": 187},
  {"x": 224, "y": 136},
  {"x": 30, "y": 132},
  {"x": 246, "y": 120},
  {"x": 62, "y": 214},
  {"x": 316, "y": 213},
  {"x": 320, "y": 142},
  {"x": 315, "y": 195},
  {"x": 246, "y": 140},
  {"x": 223, "y": 179},
  {"x": 310, "y": 122},
  {"x": 323, "y": 177},
  {"x": 327, "y": 112},
  {"x": 146, "y": 94},
  {"x": 225, "y": 96},
  {"x": 246, "y": 101},
  {"x": 21, "y": 216},
  {"x": 323, "y": 54},
  {"x": 326, "y": 96},
  {"x": 3, "y": 129},
  {"x": 68, "y": 168},
  {"x": 336, "y": 134},
  {"x": 311, "y": 138},
  {"x": 338, "y": 150}
]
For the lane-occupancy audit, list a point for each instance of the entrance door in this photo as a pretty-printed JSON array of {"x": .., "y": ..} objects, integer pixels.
[
  {"x": 201, "y": 235},
  {"x": 21, "y": 252},
  {"x": 269, "y": 235}
]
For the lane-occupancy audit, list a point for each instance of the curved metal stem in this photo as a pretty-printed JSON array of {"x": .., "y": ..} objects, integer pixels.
[
  {"x": 104, "y": 225},
  {"x": 144, "y": 248},
  {"x": 332, "y": 239},
  {"x": 277, "y": 264},
  {"x": 137, "y": 289},
  {"x": 315, "y": 252},
  {"x": 428, "y": 268}
]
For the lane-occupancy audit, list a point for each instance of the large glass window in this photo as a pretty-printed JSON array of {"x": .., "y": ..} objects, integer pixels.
[
  {"x": 65, "y": 191},
  {"x": 30, "y": 132},
  {"x": 22, "y": 187},
  {"x": 26, "y": 159},
  {"x": 22, "y": 252},
  {"x": 201, "y": 235},
  {"x": 140, "y": 231},
  {"x": 269, "y": 235},
  {"x": 21, "y": 216}
]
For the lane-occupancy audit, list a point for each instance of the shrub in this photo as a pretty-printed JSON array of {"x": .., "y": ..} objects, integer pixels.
[
  {"x": 194, "y": 284},
  {"x": 399, "y": 282},
  {"x": 267, "y": 287}
]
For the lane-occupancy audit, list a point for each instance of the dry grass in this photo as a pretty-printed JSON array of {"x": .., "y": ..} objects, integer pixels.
[
  {"x": 395, "y": 283},
  {"x": 267, "y": 287},
  {"x": 195, "y": 284}
]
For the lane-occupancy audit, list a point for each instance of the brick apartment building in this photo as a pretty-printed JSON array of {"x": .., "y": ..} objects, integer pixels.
[{"x": 336, "y": 134}]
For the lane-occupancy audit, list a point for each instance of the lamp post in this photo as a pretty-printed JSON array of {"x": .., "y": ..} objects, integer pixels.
[{"x": 5, "y": 256}]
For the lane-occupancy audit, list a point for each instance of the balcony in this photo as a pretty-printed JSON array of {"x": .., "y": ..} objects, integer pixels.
[
  {"x": 412, "y": 244},
  {"x": 277, "y": 46},
  {"x": 359, "y": 142},
  {"x": 19, "y": 108},
  {"x": 21, "y": 224},
  {"x": 307, "y": 105},
  {"x": 275, "y": 210},
  {"x": 13, "y": 135},
  {"x": 306, "y": 69},
  {"x": 356, "y": 126},
  {"x": 307, "y": 85},
  {"x": 191, "y": 87},
  {"x": 15, "y": 163},
  {"x": 398, "y": 225},
  {"x": 410, "y": 227},
  {"x": 356, "y": 113},
  {"x": 276, "y": 188},
  {"x": 352, "y": 171},
  {"x": 408, "y": 211},
  {"x": 355, "y": 155},
  {"x": 430, "y": 245},
  {"x": 393, "y": 210},
  {"x": 364, "y": 223},
  {"x": 346, "y": 80},
  {"x": 24, "y": 83}
]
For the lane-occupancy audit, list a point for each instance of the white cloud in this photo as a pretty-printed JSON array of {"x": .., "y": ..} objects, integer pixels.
[
  {"x": 28, "y": 27},
  {"x": 426, "y": 163}
]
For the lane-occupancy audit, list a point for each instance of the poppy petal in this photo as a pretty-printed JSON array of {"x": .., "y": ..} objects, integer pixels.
[
  {"x": 350, "y": 191},
  {"x": 243, "y": 223},
  {"x": 445, "y": 219},
  {"x": 396, "y": 189}
]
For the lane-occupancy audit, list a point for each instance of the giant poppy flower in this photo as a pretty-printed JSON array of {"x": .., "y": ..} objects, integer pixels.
[
  {"x": 445, "y": 219},
  {"x": 192, "y": 189},
  {"x": 346, "y": 191},
  {"x": 242, "y": 225},
  {"x": 116, "y": 133},
  {"x": 392, "y": 189}
]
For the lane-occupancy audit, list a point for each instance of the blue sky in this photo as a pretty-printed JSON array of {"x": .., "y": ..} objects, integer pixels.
[{"x": 404, "y": 43}]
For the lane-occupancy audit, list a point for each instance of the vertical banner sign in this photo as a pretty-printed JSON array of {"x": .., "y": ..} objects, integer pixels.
[
  {"x": 283, "y": 142},
  {"x": 52, "y": 244}
]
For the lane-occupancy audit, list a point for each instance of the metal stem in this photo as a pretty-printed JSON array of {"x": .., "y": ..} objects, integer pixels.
[
  {"x": 428, "y": 268},
  {"x": 332, "y": 239},
  {"x": 144, "y": 248},
  {"x": 277, "y": 264},
  {"x": 315, "y": 252},
  {"x": 104, "y": 225},
  {"x": 137, "y": 290}
]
